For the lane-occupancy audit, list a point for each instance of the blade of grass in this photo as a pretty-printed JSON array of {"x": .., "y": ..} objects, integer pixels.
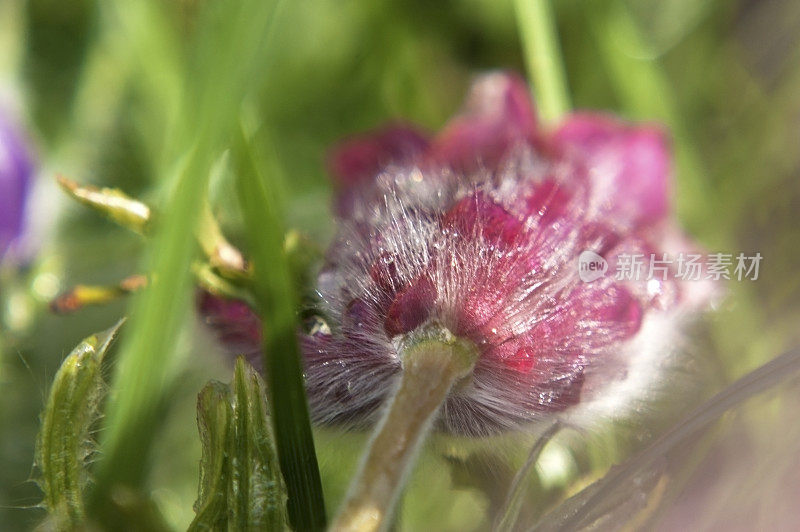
[
  {"x": 645, "y": 91},
  {"x": 542, "y": 51},
  {"x": 275, "y": 295},
  {"x": 231, "y": 41}
]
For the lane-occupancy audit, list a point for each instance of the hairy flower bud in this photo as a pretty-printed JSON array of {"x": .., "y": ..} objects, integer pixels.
[{"x": 479, "y": 231}]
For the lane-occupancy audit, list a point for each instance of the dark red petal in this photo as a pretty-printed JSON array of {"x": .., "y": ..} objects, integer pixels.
[
  {"x": 498, "y": 114},
  {"x": 360, "y": 158},
  {"x": 236, "y": 325},
  {"x": 629, "y": 166},
  {"x": 411, "y": 306},
  {"x": 478, "y": 216},
  {"x": 523, "y": 358},
  {"x": 384, "y": 273}
]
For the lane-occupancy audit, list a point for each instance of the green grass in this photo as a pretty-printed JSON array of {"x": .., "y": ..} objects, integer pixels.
[{"x": 277, "y": 302}]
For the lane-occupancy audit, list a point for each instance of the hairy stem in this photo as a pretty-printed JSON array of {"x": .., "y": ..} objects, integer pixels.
[
  {"x": 430, "y": 369},
  {"x": 543, "y": 57}
]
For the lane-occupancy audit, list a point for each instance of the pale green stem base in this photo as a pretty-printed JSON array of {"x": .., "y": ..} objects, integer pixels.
[{"x": 430, "y": 369}]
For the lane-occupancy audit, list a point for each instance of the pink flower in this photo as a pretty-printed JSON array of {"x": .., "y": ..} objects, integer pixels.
[{"x": 479, "y": 230}]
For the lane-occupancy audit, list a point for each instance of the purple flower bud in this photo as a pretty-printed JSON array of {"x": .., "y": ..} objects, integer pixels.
[
  {"x": 16, "y": 174},
  {"x": 235, "y": 324},
  {"x": 479, "y": 231}
]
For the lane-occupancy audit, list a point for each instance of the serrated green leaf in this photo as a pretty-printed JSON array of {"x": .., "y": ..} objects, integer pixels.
[
  {"x": 63, "y": 445},
  {"x": 241, "y": 486}
]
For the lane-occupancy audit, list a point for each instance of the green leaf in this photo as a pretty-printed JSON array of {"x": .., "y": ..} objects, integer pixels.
[
  {"x": 241, "y": 487},
  {"x": 273, "y": 290},
  {"x": 64, "y": 445}
]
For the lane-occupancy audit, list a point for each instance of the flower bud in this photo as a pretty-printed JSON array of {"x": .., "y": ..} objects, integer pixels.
[
  {"x": 479, "y": 231},
  {"x": 241, "y": 486},
  {"x": 64, "y": 447}
]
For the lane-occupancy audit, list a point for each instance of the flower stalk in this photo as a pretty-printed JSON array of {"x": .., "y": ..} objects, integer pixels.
[
  {"x": 543, "y": 57},
  {"x": 81, "y": 296},
  {"x": 431, "y": 367},
  {"x": 274, "y": 296},
  {"x": 222, "y": 255}
]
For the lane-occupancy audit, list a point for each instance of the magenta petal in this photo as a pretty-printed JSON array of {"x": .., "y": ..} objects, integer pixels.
[
  {"x": 478, "y": 216},
  {"x": 481, "y": 303},
  {"x": 629, "y": 166},
  {"x": 592, "y": 318},
  {"x": 595, "y": 315},
  {"x": 498, "y": 114},
  {"x": 361, "y": 158},
  {"x": 356, "y": 162},
  {"x": 548, "y": 201},
  {"x": 657, "y": 288}
]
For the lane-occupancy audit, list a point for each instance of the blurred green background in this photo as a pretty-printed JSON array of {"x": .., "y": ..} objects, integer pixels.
[{"x": 95, "y": 81}]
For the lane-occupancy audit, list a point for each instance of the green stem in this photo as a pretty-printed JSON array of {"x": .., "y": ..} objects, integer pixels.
[
  {"x": 146, "y": 359},
  {"x": 430, "y": 369},
  {"x": 537, "y": 29},
  {"x": 274, "y": 293}
]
